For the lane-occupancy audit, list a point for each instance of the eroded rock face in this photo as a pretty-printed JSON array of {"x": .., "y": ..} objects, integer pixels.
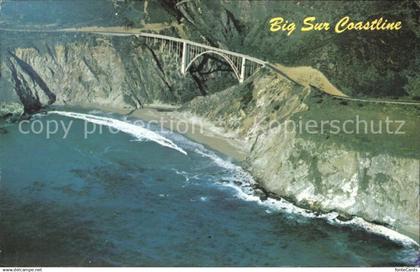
[
  {"x": 324, "y": 175},
  {"x": 103, "y": 73},
  {"x": 380, "y": 188},
  {"x": 11, "y": 111},
  {"x": 29, "y": 86},
  {"x": 75, "y": 74}
]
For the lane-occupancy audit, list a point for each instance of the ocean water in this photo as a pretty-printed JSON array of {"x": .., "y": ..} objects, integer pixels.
[{"x": 147, "y": 197}]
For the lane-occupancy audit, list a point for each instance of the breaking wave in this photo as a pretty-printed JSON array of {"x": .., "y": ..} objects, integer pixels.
[
  {"x": 245, "y": 190},
  {"x": 139, "y": 132},
  {"x": 238, "y": 179}
]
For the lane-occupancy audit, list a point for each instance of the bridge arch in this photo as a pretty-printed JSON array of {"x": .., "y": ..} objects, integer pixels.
[{"x": 226, "y": 58}]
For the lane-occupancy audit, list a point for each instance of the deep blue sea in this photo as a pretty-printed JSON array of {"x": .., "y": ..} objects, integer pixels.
[{"x": 147, "y": 197}]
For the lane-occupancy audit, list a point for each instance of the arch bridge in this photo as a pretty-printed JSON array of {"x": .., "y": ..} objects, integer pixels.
[{"x": 243, "y": 66}]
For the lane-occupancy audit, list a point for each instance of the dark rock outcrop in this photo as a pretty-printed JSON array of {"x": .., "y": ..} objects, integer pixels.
[{"x": 33, "y": 92}]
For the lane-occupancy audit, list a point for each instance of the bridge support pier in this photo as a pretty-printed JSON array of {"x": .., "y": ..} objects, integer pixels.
[
  {"x": 242, "y": 76},
  {"x": 184, "y": 58}
]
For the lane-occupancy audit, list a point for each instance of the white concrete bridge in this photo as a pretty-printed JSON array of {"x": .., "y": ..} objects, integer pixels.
[{"x": 243, "y": 66}]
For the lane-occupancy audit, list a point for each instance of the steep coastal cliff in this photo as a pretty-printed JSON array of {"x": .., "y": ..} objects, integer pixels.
[
  {"x": 369, "y": 175},
  {"x": 92, "y": 73}
]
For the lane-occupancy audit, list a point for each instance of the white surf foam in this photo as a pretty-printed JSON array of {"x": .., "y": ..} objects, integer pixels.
[
  {"x": 247, "y": 193},
  {"x": 139, "y": 132},
  {"x": 237, "y": 173}
]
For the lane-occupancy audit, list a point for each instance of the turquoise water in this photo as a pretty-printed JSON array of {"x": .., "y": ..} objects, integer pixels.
[{"x": 120, "y": 200}]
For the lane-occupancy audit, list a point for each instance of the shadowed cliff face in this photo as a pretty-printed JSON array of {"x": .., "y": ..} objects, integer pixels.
[
  {"x": 373, "y": 176},
  {"x": 29, "y": 86},
  {"x": 120, "y": 73},
  {"x": 82, "y": 73}
]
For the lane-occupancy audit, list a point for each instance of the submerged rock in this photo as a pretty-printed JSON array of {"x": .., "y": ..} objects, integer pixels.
[
  {"x": 261, "y": 194},
  {"x": 11, "y": 111}
]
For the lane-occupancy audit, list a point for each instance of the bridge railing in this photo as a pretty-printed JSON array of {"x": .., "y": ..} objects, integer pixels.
[
  {"x": 163, "y": 37},
  {"x": 179, "y": 40}
]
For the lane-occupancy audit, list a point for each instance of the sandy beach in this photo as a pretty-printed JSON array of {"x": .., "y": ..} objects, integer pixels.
[{"x": 194, "y": 128}]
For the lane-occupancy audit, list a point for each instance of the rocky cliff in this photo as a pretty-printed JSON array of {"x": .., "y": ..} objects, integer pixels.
[
  {"x": 116, "y": 72},
  {"x": 365, "y": 174}
]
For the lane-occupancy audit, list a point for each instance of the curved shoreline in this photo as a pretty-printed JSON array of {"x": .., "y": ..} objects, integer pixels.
[
  {"x": 199, "y": 130},
  {"x": 236, "y": 151}
]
